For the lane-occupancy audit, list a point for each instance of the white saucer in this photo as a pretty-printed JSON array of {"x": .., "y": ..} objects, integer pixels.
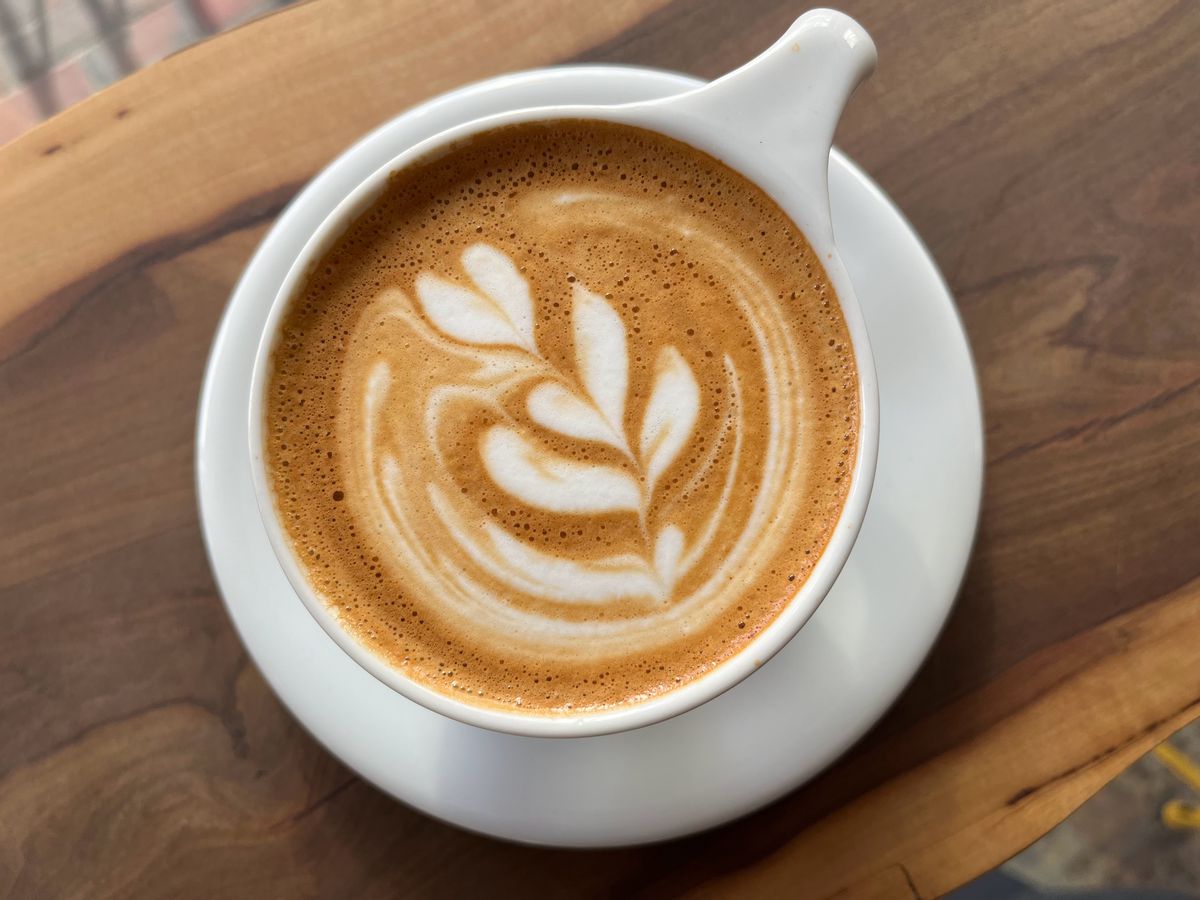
[{"x": 734, "y": 754}]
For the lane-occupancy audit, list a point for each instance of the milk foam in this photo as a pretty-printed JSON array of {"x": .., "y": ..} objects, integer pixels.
[{"x": 593, "y": 441}]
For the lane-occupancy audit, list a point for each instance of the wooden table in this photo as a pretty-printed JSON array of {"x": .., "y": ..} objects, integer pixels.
[{"x": 1048, "y": 151}]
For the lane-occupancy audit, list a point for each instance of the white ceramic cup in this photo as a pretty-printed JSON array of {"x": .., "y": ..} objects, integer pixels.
[{"x": 772, "y": 120}]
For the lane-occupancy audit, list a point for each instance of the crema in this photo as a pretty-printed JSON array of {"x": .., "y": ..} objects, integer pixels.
[{"x": 564, "y": 419}]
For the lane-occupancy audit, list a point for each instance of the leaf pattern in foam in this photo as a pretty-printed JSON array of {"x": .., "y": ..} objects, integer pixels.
[
  {"x": 554, "y": 407},
  {"x": 671, "y": 414},
  {"x": 546, "y": 480},
  {"x": 502, "y": 315},
  {"x": 497, "y": 276},
  {"x": 601, "y": 355}
]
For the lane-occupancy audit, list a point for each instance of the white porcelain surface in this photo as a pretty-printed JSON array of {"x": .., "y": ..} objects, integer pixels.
[
  {"x": 733, "y": 754},
  {"x": 772, "y": 120}
]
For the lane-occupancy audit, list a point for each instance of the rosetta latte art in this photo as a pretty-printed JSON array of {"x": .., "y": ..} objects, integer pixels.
[
  {"x": 564, "y": 419},
  {"x": 481, "y": 565},
  {"x": 586, "y": 406}
]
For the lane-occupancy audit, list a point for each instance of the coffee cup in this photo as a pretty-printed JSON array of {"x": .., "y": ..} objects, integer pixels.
[{"x": 771, "y": 122}]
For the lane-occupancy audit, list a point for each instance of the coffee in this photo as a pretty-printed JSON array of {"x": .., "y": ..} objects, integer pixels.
[{"x": 564, "y": 419}]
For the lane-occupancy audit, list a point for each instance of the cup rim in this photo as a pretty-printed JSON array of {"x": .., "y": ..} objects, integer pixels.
[{"x": 809, "y": 211}]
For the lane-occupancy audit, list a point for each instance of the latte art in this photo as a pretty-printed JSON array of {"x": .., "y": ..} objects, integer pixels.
[
  {"x": 565, "y": 419},
  {"x": 479, "y": 563}
]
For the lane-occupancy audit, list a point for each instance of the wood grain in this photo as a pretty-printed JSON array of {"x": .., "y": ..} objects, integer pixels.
[{"x": 1047, "y": 151}]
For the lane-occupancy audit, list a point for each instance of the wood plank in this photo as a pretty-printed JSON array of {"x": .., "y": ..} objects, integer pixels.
[
  {"x": 1047, "y": 153},
  {"x": 196, "y": 161},
  {"x": 950, "y": 818}
]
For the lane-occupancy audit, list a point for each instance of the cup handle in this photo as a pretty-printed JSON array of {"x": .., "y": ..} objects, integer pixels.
[{"x": 789, "y": 98}]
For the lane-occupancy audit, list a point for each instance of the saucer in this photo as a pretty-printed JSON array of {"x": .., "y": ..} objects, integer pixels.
[{"x": 734, "y": 754}]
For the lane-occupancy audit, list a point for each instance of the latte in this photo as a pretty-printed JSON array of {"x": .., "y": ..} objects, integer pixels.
[{"x": 564, "y": 420}]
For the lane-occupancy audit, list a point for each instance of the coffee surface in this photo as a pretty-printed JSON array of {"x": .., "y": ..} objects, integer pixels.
[{"x": 564, "y": 420}]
